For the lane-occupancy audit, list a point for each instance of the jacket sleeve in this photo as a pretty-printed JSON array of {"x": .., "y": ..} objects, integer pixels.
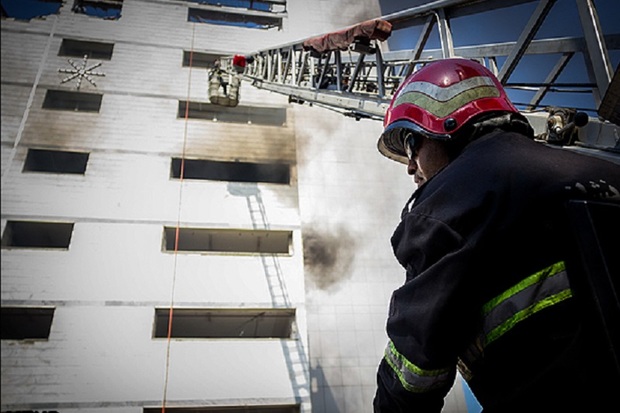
[{"x": 430, "y": 317}]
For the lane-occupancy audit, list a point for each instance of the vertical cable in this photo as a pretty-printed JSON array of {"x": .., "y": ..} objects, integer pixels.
[
  {"x": 177, "y": 229},
  {"x": 22, "y": 123}
]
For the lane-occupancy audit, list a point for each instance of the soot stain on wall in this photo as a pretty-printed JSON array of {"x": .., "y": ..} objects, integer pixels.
[{"x": 328, "y": 255}]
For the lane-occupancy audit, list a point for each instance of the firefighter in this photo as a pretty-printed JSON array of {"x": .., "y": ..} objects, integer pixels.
[{"x": 484, "y": 243}]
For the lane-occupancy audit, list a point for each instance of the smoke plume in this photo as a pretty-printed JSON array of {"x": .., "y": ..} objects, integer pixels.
[{"x": 328, "y": 255}]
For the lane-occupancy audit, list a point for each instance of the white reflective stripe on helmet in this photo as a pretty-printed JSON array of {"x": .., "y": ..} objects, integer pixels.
[{"x": 444, "y": 94}]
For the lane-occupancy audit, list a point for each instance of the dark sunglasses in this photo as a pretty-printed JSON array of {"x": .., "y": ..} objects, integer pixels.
[{"x": 411, "y": 142}]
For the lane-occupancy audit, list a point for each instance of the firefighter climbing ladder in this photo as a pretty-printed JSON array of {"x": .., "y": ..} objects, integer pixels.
[{"x": 359, "y": 80}]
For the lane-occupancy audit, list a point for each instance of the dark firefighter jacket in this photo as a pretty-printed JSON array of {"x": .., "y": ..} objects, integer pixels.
[{"x": 484, "y": 245}]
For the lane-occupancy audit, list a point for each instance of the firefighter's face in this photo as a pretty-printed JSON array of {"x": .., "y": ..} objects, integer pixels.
[{"x": 428, "y": 158}]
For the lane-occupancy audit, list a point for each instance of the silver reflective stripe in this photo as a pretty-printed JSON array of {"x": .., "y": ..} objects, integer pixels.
[
  {"x": 538, "y": 291},
  {"x": 543, "y": 289},
  {"x": 412, "y": 377},
  {"x": 442, "y": 101},
  {"x": 444, "y": 94}
]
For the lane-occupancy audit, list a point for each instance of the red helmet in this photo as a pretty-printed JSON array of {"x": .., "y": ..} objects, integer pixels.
[
  {"x": 438, "y": 100},
  {"x": 239, "y": 62}
]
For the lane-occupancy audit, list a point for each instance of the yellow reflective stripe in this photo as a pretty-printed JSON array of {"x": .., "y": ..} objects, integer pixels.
[
  {"x": 540, "y": 290},
  {"x": 531, "y": 280},
  {"x": 507, "y": 325},
  {"x": 443, "y": 109},
  {"x": 412, "y": 377},
  {"x": 400, "y": 375}
]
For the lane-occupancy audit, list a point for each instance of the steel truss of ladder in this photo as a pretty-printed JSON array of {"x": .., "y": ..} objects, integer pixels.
[{"x": 360, "y": 81}]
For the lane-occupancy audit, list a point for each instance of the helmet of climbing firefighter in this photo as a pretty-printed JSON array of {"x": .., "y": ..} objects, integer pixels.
[
  {"x": 239, "y": 62},
  {"x": 437, "y": 100}
]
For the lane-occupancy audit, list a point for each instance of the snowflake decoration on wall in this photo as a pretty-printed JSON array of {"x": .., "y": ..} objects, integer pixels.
[{"x": 80, "y": 72}]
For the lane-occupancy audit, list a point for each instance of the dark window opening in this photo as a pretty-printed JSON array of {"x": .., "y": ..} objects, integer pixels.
[
  {"x": 276, "y": 173},
  {"x": 62, "y": 162},
  {"x": 229, "y": 409},
  {"x": 29, "y": 9},
  {"x": 22, "y": 323},
  {"x": 239, "y": 114},
  {"x": 92, "y": 50},
  {"x": 76, "y": 101},
  {"x": 104, "y": 9},
  {"x": 252, "y": 21},
  {"x": 227, "y": 240},
  {"x": 199, "y": 59},
  {"x": 30, "y": 234},
  {"x": 225, "y": 323}
]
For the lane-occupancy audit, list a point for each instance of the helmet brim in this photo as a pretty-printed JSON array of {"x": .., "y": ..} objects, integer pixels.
[{"x": 391, "y": 142}]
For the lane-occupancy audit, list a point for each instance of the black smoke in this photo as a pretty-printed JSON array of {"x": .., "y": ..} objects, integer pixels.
[{"x": 328, "y": 255}]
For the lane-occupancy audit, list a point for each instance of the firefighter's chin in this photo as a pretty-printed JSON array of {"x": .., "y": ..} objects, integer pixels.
[{"x": 418, "y": 179}]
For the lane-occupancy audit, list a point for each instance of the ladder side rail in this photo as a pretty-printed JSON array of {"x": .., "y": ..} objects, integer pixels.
[{"x": 454, "y": 8}]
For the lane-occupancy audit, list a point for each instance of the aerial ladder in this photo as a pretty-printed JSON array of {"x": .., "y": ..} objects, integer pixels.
[{"x": 353, "y": 72}]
